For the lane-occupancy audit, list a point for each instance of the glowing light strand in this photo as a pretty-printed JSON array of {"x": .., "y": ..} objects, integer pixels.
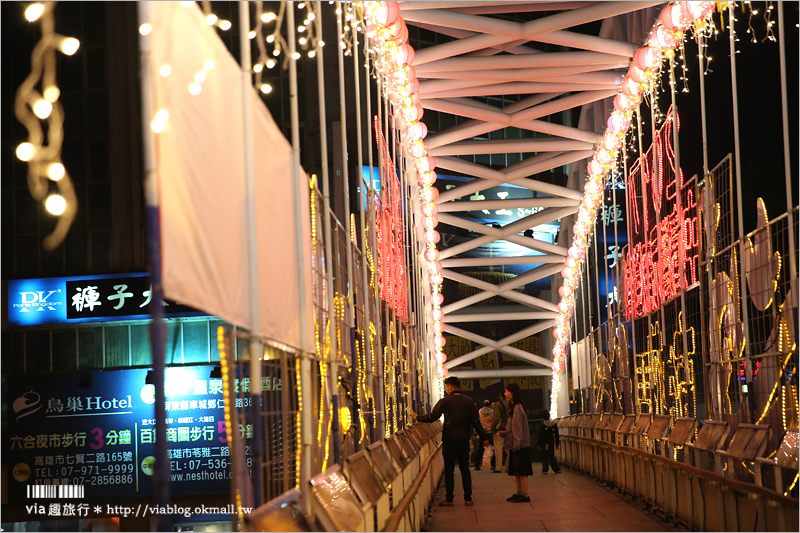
[{"x": 666, "y": 35}]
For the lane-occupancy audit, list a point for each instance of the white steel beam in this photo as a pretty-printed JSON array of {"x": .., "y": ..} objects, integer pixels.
[
  {"x": 493, "y": 317},
  {"x": 499, "y": 261},
  {"x": 511, "y": 203},
  {"x": 501, "y": 373},
  {"x": 508, "y": 146}
]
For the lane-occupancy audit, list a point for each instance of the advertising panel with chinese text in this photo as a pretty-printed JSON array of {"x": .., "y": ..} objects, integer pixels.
[
  {"x": 96, "y": 430},
  {"x": 77, "y": 299}
]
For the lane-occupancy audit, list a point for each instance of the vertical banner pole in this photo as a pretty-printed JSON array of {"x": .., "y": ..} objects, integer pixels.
[
  {"x": 786, "y": 154},
  {"x": 255, "y": 345},
  {"x": 157, "y": 326},
  {"x": 299, "y": 189},
  {"x": 739, "y": 206}
]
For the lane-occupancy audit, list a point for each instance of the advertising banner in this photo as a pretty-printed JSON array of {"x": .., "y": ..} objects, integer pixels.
[{"x": 95, "y": 432}]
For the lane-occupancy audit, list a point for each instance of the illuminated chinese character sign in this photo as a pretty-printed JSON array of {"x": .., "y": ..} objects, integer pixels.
[
  {"x": 611, "y": 239},
  {"x": 662, "y": 228},
  {"x": 97, "y": 430},
  {"x": 84, "y": 299},
  {"x": 389, "y": 227}
]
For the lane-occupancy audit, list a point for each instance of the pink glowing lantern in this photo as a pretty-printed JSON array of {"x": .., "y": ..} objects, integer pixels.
[
  {"x": 437, "y": 298},
  {"x": 611, "y": 141},
  {"x": 596, "y": 168},
  {"x": 437, "y": 315},
  {"x": 426, "y": 164},
  {"x": 696, "y": 10},
  {"x": 430, "y": 222},
  {"x": 618, "y": 122},
  {"x": 630, "y": 87},
  {"x": 606, "y": 157},
  {"x": 436, "y": 279},
  {"x": 439, "y": 327},
  {"x": 417, "y": 149},
  {"x": 444, "y": 372},
  {"x": 647, "y": 58},
  {"x": 439, "y": 341},
  {"x": 413, "y": 113},
  {"x": 567, "y": 272},
  {"x": 623, "y": 102},
  {"x": 570, "y": 262},
  {"x": 665, "y": 38},
  {"x": 405, "y": 54},
  {"x": 426, "y": 177},
  {"x": 432, "y": 236},
  {"x": 386, "y": 13},
  {"x": 673, "y": 18},
  {"x": 429, "y": 194},
  {"x": 441, "y": 357},
  {"x": 434, "y": 267},
  {"x": 417, "y": 130},
  {"x": 563, "y": 306},
  {"x": 572, "y": 252},
  {"x": 636, "y": 74},
  {"x": 431, "y": 254},
  {"x": 429, "y": 209}
]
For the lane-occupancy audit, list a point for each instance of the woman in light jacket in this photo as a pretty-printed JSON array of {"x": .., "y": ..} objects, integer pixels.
[{"x": 518, "y": 444}]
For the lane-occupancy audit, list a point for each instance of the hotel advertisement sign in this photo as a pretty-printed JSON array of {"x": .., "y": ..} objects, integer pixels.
[{"x": 97, "y": 430}]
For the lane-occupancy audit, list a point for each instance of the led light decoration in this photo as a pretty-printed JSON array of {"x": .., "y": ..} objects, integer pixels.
[
  {"x": 662, "y": 42},
  {"x": 31, "y": 107},
  {"x": 397, "y": 79}
]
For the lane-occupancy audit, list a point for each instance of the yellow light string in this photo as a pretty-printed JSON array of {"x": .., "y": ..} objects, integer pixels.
[
  {"x": 298, "y": 423},
  {"x": 774, "y": 389},
  {"x": 31, "y": 107},
  {"x": 791, "y": 487},
  {"x": 226, "y": 394}
]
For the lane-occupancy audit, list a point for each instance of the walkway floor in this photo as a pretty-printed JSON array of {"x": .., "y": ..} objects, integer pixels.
[{"x": 559, "y": 502}]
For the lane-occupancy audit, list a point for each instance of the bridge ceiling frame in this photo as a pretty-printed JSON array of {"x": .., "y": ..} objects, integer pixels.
[{"x": 491, "y": 56}]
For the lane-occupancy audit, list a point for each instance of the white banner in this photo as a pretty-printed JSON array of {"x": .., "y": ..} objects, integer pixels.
[{"x": 201, "y": 180}]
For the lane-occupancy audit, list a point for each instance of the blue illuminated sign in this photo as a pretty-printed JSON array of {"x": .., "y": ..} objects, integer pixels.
[
  {"x": 77, "y": 299},
  {"x": 97, "y": 430}
]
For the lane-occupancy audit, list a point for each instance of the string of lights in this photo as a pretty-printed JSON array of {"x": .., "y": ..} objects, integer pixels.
[{"x": 37, "y": 101}]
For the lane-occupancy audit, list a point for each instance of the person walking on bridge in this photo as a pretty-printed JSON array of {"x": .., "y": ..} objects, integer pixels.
[
  {"x": 518, "y": 443},
  {"x": 460, "y": 417}
]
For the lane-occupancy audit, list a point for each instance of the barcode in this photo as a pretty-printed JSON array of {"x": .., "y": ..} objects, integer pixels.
[{"x": 55, "y": 491}]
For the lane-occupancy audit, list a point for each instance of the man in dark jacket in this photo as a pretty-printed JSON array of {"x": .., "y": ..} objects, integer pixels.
[
  {"x": 548, "y": 442},
  {"x": 460, "y": 417}
]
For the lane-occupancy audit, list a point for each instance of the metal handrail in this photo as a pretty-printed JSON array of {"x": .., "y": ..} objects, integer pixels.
[{"x": 402, "y": 508}]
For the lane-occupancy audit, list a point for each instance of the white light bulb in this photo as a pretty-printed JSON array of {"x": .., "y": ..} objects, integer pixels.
[
  {"x": 52, "y": 93},
  {"x": 296, "y": 55},
  {"x": 270, "y": 63},
  {"x": 187, "y": 4},
  {"x": 200, "y": 77},
  {"x": 195, "y": 88},
  {"x": 266, "y": 88},
  {"x": 301, "y": 29},
  {"x": 251, "y": 35},
  {"x": 301, "y": 5},
  {"x": 209, "y": 64},
  {"x": 160, "y": 121},
  {"x": 257, "y": 67},
  {"x": 302, "y": 40},
  {"x": 56, "y": 171},
  {"x": 322, "y": 43},
  {"x": 225, "y": 25},
  {"x": 25, "y": 151},
  {"x": 70, "y": 46},
  {"x": 211, "y": 19},
  {"x": 42, "y": 109},
  {"x": 306, "y": 22},
  {"x": 268, "y": 17},
  {"x": 311, "y": 16},
  {"x": 55, "y": 204},
  {"x": 34, "y": 11},
  {"x": 165, "y": 71},
  {"x": 311, "y": 53},
  {"x": 276, "y": 52},
  {"x": 270, "y": 38},
  {"x": 145, "y": 29}
]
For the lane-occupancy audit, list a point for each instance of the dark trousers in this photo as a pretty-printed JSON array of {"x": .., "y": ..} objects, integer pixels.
[
  {"x": 549, "y": 458},
  {"x": 453, "y": 452},
  {"x": 477, "y": 453}
]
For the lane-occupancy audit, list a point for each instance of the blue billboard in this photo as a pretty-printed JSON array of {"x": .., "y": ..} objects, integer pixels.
[
  {"x": 33, "y": 302},
  {"x": 96, "y": 430}
]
